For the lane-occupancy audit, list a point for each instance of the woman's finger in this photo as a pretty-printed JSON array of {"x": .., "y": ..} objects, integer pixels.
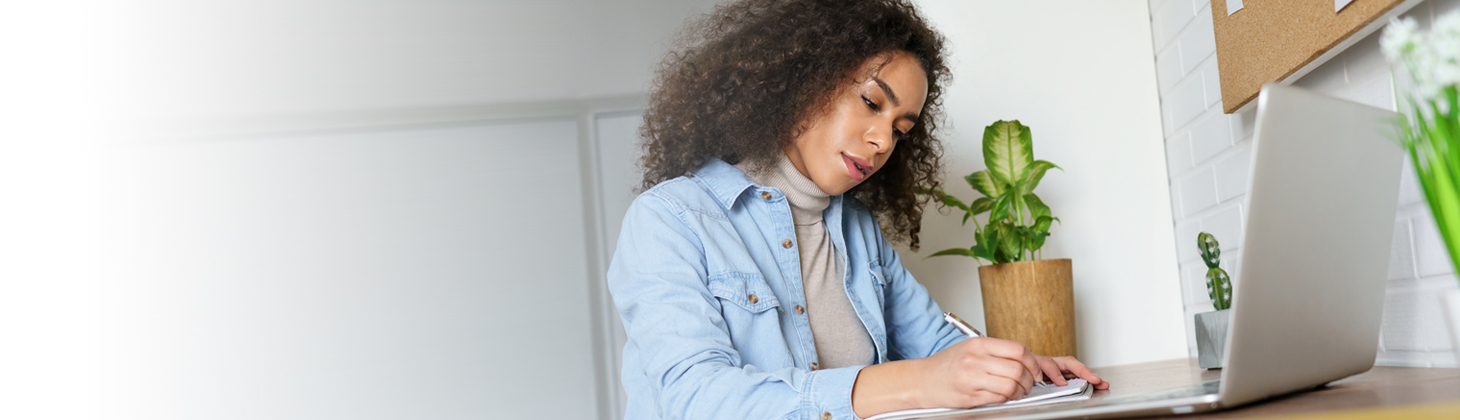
[
  {"x": 1052, "y": 370},
  {"x": 1031, "y": 362},
  {"x": 1013, "y": 350},
  {"x": 1071, "y": 365},
  {"x": 998, "y": 369}
]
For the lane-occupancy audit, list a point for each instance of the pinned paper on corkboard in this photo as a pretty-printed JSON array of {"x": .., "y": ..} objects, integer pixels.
[{"x": 1282, "y": 40}]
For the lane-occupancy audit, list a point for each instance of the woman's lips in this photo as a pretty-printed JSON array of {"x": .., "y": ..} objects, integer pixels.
[{"x": 856, "y": 167}]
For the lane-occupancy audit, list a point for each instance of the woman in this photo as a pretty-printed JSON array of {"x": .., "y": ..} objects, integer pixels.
[{"x": 783, "y": 142}]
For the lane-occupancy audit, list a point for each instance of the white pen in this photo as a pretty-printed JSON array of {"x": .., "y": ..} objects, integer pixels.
[
  {"x": 970, "y": 331},
  {"x": 958, "y": 323}
]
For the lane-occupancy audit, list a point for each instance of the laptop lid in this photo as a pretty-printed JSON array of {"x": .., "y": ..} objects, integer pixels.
[{"x": 1320, "y": 210}]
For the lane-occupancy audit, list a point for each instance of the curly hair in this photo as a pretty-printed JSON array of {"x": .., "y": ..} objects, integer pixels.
[{"x": 743, "y": 82}]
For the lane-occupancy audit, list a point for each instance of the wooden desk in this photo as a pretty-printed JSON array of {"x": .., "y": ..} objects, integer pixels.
[{"x": 1381, "y": 393}]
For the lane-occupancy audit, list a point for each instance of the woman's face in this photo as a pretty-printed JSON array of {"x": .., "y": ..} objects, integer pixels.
[{"x": 852, "y": 138}]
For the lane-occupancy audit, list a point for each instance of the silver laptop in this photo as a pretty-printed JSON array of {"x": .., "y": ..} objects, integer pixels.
[{"x": 1315, "y": 255}]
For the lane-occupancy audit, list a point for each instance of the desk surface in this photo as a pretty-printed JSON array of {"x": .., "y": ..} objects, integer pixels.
[{"x": 1382, "y": 392}]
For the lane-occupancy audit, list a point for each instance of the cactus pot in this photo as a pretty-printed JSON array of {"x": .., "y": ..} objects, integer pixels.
[
  {"x": 1032, "y": 302},
  {"x": 1211, "y": 337}
]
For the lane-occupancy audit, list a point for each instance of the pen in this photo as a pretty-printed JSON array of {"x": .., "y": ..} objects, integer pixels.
[
  {"x": 970, "y": 331},
  {"x": 958, "y": 323}
]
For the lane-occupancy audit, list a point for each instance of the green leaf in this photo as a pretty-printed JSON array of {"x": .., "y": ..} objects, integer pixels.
[
  {"x": 947, "y": 199},
  {"x": 981, "y": 205},
  {"x": 952, "y": 251},
  {"x": 1000, "y": 210},
  {"x": 1036, "y": 172},
  {"x": 984, "y": 253},
  {"x": 1010, "y": 243},
  {"x": 951, "y": 201},
  {"x": 1008, "y": 150},
  {"x": 1026, "y": 238},
  {"x": 1042, "y": 224},
  {"x": 966, "y": 215},
  {"x": 1041, "y": 231},
  {"x": 1017, "y": 206},
  {"x": 1036, "y": 206},
  {"x": 987, "y": 246},
  {"x": 984, "y": 182},
  {"x": 1039, "y": 241}
]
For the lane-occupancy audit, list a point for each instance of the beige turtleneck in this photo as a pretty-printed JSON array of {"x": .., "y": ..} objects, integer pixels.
[{"x": 840, "y": 338}]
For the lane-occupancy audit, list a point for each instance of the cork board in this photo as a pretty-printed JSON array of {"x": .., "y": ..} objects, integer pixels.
[{"x": 1282, "y": 40}]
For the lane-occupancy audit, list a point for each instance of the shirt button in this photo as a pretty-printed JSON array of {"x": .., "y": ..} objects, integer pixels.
[
  {"x": 765, "y": 195},
  {"x": 825, "y": 416},
  {"x": 800, "y": 310},
  {"x": 785, "y": 243},
  {"x": 753, "y": 299},
  {"x": 815, "y": 366}
]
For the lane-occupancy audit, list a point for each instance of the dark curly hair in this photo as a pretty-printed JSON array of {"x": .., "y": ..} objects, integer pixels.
[{"x": 744, "y": 80}]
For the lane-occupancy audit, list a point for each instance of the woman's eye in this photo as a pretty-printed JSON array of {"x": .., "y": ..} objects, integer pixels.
[
  {"x": 898, "y": 134},
  {"x": 870, "y": 104}
]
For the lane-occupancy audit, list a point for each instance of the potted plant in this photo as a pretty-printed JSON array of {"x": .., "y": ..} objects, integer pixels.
[
  {"x": 1429, "y": 98},
  {"x": 1211, "y": 327},
  {"x": 1026, "y": 299}
]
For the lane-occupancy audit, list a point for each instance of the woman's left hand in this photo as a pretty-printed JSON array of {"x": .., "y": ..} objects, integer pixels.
[{"x": 1057, "y": 369}]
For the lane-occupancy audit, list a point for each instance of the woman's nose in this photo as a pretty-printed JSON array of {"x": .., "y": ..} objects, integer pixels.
[{"x": 879, "y": 138}]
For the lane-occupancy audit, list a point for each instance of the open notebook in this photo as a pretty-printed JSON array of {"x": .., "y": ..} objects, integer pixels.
[{"x": 1074, "y": 390}]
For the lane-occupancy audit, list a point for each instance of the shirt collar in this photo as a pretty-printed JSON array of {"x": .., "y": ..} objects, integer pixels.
[{"x": 725, "y": 182}]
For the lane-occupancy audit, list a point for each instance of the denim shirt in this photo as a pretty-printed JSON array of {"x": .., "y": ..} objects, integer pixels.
[{"x": 706, "y": 277}]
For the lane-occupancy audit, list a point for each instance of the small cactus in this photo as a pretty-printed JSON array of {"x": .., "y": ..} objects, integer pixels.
[{"x": 1219, "y": 285}]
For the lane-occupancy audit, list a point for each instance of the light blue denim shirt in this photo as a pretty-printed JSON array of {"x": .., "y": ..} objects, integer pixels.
[{"x": 707, "y": 276}]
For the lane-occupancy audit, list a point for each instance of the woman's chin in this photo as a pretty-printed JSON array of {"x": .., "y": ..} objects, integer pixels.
[
  {"x": 840, "y": 188},
  {"x": 836, "y": 184}
]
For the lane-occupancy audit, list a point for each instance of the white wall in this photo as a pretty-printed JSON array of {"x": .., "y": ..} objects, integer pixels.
[
  {"x": 616, "y": 144},
  {"x": 1209, "y": 156},
  {"x": 178, "y": 59},
  {"x": 1074, "y": 72},
  {"x": 309, "y": 209},
  {"x": 404, "y": 273}
]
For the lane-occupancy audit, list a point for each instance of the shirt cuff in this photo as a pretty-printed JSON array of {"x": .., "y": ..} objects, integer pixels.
[{"x": 830, "y": 396}]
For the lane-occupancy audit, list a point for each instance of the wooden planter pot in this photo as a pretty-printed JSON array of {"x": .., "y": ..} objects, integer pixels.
[{"x": 1032, "y": 302}]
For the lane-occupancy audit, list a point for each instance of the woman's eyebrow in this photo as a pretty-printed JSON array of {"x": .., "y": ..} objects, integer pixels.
[{"x": 887, "y": 90}]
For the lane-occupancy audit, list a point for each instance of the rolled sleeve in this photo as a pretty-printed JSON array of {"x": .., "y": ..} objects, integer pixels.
[{"x": 830, "y": 392}]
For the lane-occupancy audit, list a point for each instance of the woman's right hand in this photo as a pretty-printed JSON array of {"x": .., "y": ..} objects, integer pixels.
[{"x": 977, "y": 371}]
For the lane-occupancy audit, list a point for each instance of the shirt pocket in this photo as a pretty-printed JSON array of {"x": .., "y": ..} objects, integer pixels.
[
  {"x": 752, "y": 316},
  {"x": 748, "y": 291}
]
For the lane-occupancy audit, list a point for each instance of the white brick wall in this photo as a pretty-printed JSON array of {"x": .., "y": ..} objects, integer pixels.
[{"x": 1209, "y": 154}]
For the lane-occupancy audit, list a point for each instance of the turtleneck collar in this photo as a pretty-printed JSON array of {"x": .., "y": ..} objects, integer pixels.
[{"x": 806, "y": 199}]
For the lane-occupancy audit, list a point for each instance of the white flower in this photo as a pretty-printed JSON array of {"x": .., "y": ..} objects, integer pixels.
[
  {"x": 1445, "y": 45},
  {"x": 1423, "y": 64},
  {"x": 1399, "y": 38},
  {"x": 1432, "y": 61},
  {"x": 1447, "y": 24},
  {"x": 1446, "y": 74}
]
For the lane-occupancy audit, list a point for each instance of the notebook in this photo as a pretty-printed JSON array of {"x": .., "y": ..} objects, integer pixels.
[{"x": 1074, "y": 390}]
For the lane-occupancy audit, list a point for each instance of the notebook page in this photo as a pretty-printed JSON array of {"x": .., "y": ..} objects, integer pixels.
[{"x": 1074, "y": 390}]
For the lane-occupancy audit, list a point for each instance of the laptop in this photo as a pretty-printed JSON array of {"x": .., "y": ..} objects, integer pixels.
[{"x": 1315, "y": 257}]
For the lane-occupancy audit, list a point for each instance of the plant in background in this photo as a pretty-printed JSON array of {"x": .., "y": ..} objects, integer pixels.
[
  {"x": 1430, "y": 125},
  {"x": 1018, "y": 220},
  {"x": 1219, "y": 285}
]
